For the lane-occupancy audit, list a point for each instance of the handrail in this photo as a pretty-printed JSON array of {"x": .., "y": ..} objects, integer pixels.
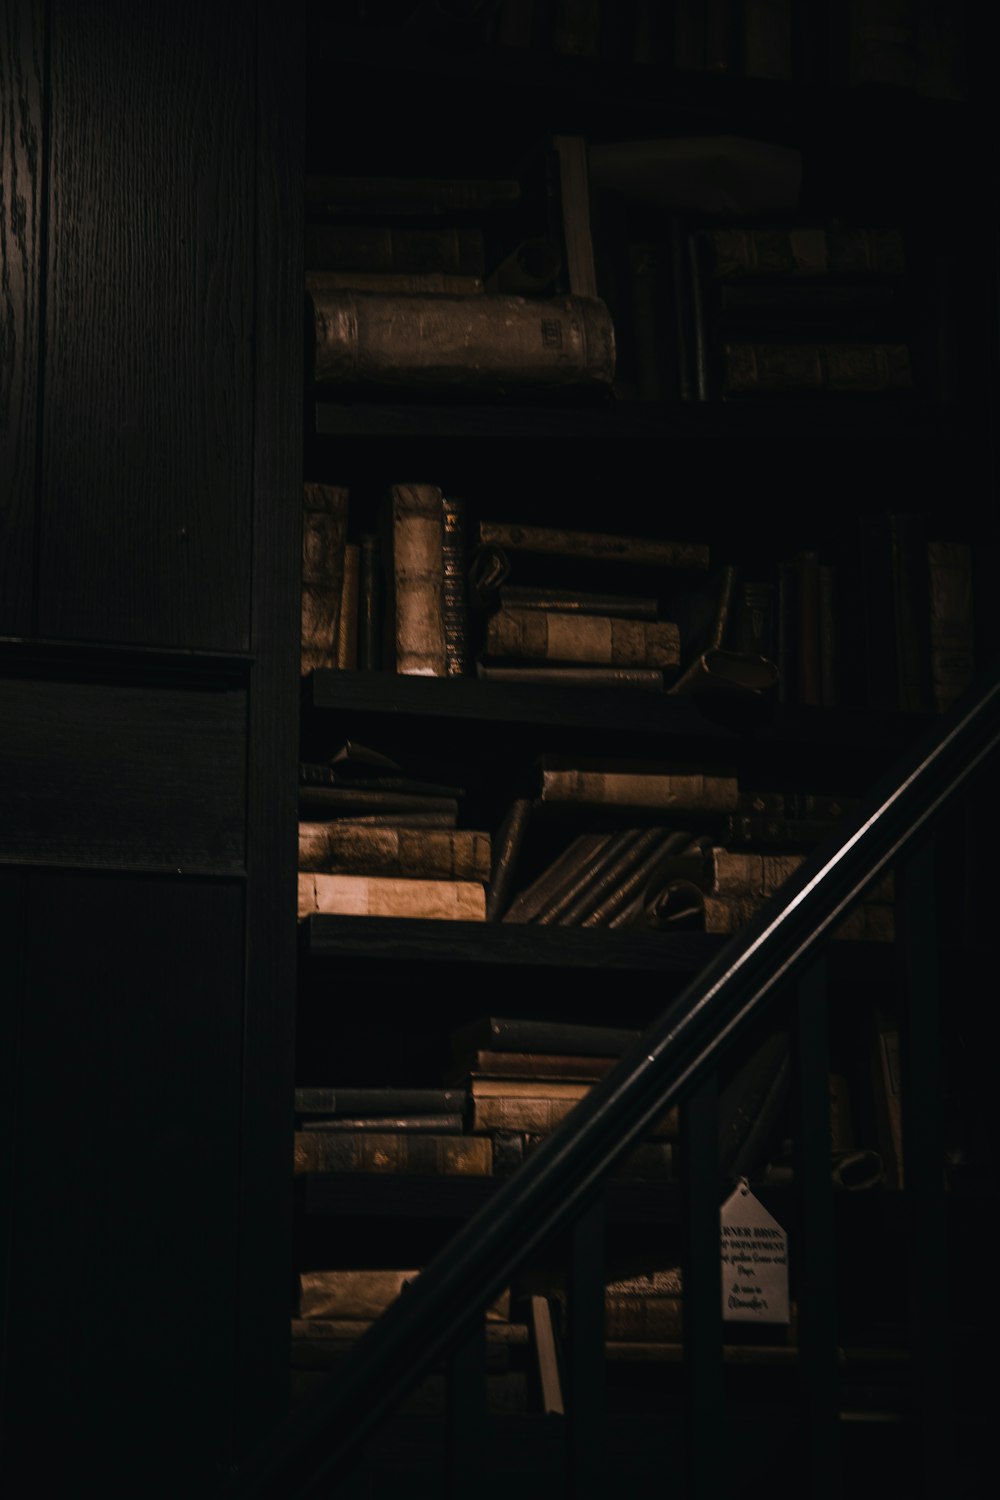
[{"x": 676, "y": 1052}]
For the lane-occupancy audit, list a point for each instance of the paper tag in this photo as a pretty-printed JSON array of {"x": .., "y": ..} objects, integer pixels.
[{"x": 754, "y": 1252}]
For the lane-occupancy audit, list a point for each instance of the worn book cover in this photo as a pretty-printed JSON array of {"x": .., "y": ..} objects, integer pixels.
[
  {"x": 400, "y": 1152},
  {"x": 388, "y": 896}
]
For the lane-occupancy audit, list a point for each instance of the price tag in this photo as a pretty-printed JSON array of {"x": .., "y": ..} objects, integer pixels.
[{"x": 754, "y": 1251}]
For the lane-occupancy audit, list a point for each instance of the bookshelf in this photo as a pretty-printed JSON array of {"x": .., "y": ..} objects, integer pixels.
[{"x": 756, "y": 479}]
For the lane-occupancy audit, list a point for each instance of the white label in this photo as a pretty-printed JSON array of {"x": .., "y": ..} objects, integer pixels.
[{"x": 754, "y": 1252}]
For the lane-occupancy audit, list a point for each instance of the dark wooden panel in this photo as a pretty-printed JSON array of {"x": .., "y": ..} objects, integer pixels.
[
  {"x": 22, "y": 160},
  {"x": 122, "y": 774},
  {"x": 264, "y": 1269},
  {"x": 125, "y": 1182},
  {"x": 13, "y": 891},
  {"x": 145, "y": 507}
]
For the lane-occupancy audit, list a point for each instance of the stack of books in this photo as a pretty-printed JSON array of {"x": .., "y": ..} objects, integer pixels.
[
  {"x": 376, "y": 842},
  {"x": 406, "y": 1132},
  {"x": 576, "y": 607}
]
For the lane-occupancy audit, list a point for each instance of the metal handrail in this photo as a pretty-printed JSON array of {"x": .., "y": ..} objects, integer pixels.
[{"x": 676, "y": 1052}]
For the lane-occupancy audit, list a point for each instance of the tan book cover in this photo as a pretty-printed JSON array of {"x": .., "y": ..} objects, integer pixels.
[
  {"x": 472, "y": 342},
  {"x": 867, "y": 922},
  {"x": 677, "y": 792},
  {"x": 416, "y": 548},
  {"x": 324, "y": 539},
  {"x": 608, "y": 546},
  {"x": 328, "y": 1298},
  {"x": 391, "y": 896},
  {"x": 600, "y": 640},
  {"x": 340, "y": 848},
  {"x": 393, "y": 1152}
]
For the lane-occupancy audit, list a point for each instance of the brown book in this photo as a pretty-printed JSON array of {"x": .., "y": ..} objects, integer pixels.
[
  {"x": 536, "y": 1108},
  {"x": 599, "y": 640},
  {"x": 618, "y": 852},
  {"x": 347, "y": 622},
  {"x": 557, "y": 878},
  {"x": 447, "y": 1124},
  {"x": 363, "y": 1295},
  {"x": 342, "y": 848},
  {"x": 324, "y": 539},
  {"x": 506, "y": 849},
  {"x": 751, "y": 369},
  {"x": 803, "y": 252},
  {"x": 415, "y": 568},
  {"x": 445, "y": 342},
  {"x": 639, "y": 786},
  {"x": 387, "y": 896},
  {"x": 736, "y": 873},
  {"x": 952, "y": 622},
  {"x": 646, "y": 679},
  {"x": 601, "y": 546},
  {"x": 541, "y": 1066},
  {"x": 396, "y": 1152},
  {"x": 868, "y": 922},
  {"x": 337, "y": 247},
  {"x": 426, "y": 283}
]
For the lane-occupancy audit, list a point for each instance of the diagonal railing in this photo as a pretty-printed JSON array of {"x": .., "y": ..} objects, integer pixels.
[{"x": 676, "y": 1060}]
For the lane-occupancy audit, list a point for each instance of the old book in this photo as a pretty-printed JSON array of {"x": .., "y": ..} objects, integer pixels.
[
  {"x": 362, "y": 1295},
  {"x": 593, "y": 876},
  {"x": 638, "y": 785},
  {"x": 803, "y": 252},
  {"x": 574, "y": 194},
  {"x": 736, "y": 873},
  {"x": 868, "y": 922},
  {"x": 726, "y": 672},
  {"x": 390, "y": 1124},
  {"x": 421, "y": 819},
  {"x": 324, "y": 538},
  {"x": 602, "y": 546},
  {"x": 506, "y": 849},
  {"x": 536, "y": 1107},
  {"x": 384, "y": 896},
  {"x": 414, "y": 530},
  {"x": 647, "y": 679},
  {"x": 433, "y": 854},
  {"x": 328, "y": 1103},
  {"x": 324, "y": 803},
  {"x": 370, "y": 603},
  {"x": 347, "y": 623},
  {"x": 644, "y": 1308},
  {"x": 951, "y": 622},
  {"x": 544, "y": 635},
  {"x": 571, "y": 1068},
  {"x": 337, "y": 247},
  {"x": 791, "y": 804},
  {"x": 761, "y": 369},
  {"x": 546, "y": 1354},
  {"x": 397, "y": 1152},
  {"x": 354, "y": 769},
  {"x": 751, "y": 830},
  {"x": 491, "y": 343},
  {"x": 531, "y": 1034},
  {"x": 455, "y": 594},
  {"x": 415, "y": 283},
  {"x": 558, "y": 879},
  {"x": 576, "y": 602},
  {"x": 616, "y": 892},
  {"x": 329, "y": 196}
]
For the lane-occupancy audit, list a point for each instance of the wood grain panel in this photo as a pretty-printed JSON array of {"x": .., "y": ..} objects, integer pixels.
[
  {"x": 122, "y": 774},
  {"x": 264, "y": 1269},
  {"x": 22, "y": 163},
  {"x": 145, "y": 507},
  {"x": 125, "y": 1182}
]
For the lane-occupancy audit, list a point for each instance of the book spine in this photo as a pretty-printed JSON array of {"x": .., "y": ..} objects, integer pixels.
[
  {"x": 396, "y": 1153},
  {"x": 868, "y": 922},
  {"x": 553, "y": 880},
  {"x": 347, "y": 622},
  {"x": 591, "y": 878},
  {"x": 648, "y": 678},
  {"x": 416, "y": 527},
  {"x": 428, "y": 284},
  {"x": 506, "y": 851},
  {"x": 569, "y": 602},
  {"x": 317, "y": 803},
  {"x": 330, "y": 247},
  {"x": 633, "y": 877},
  {"x": 602, "y": 546},
  {"x": 534, "y": 1116},
  {"x": 391, "y": 1124},
  {"x": 952, "y": 642},
  {"x": 455, "y": 596},
  {"x": 767, "y": 368},
  {"x": 543, "y": 1066},
  {"x": 324, "y": 538},
  {"x": 674, "y": 792},
  {"x": 525, "y": 1034},
  {"x": 337, "y": 848},
  {"x": 323, "y": 1101},
  {"x": 370, "y": 603},
  {"x": 368, "y": 339},
  {"x": 383, "y": 896},
  {"x": 775, "y": 833},
  {"x": 599, "y": 640},
  {"x": 650, "y": 1318}
]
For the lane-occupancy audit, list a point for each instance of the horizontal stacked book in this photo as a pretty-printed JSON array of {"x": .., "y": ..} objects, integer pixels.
[{"x": 376, "y": 842}]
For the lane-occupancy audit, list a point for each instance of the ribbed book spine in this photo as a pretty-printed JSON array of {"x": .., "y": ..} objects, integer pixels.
[
  {"x": 455, "y": 586},
  {"x": 417, "y": 577}
]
